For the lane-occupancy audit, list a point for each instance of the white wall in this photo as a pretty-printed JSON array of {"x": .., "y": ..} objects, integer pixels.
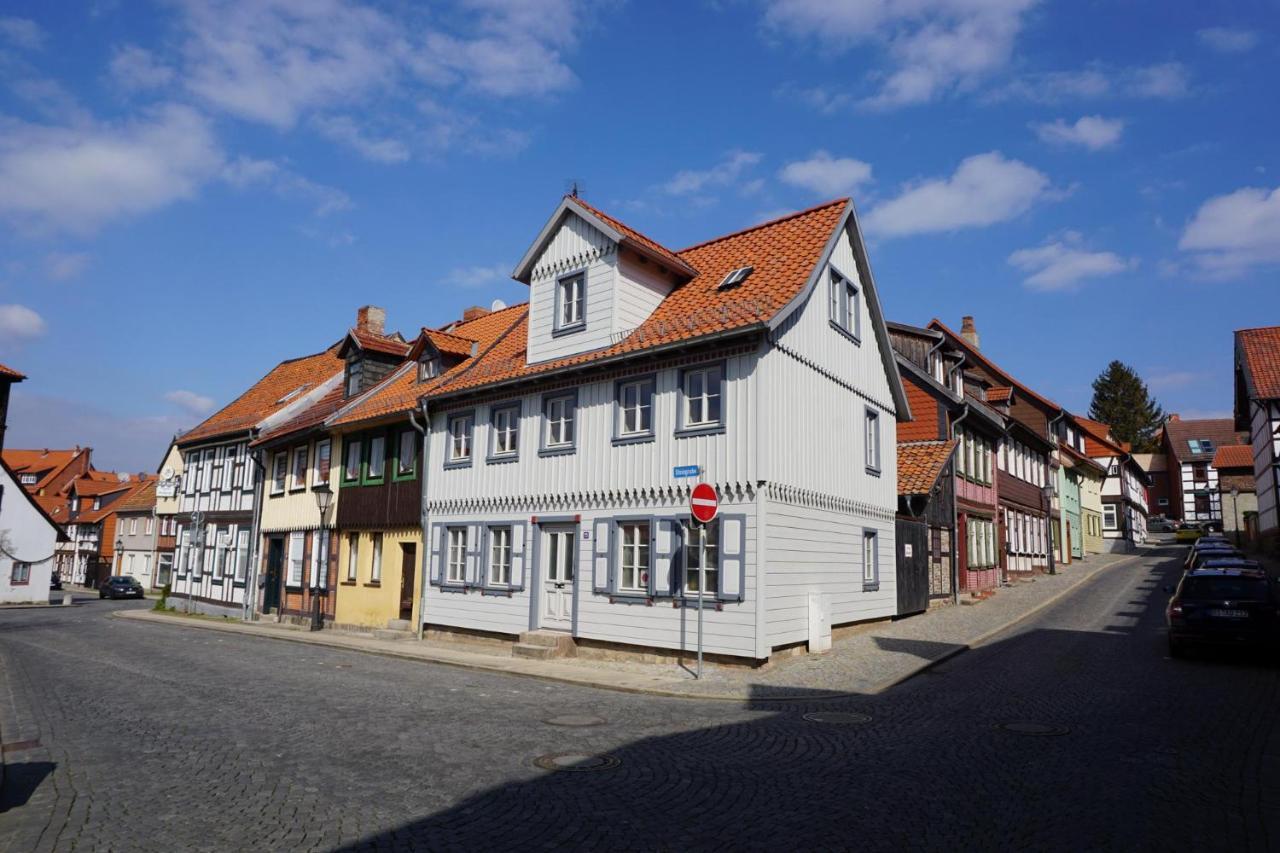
[
  {"x": 576, "y": 246},
  {"x": 1264, "y": 429},
  {"x": 27, "y": 535}
]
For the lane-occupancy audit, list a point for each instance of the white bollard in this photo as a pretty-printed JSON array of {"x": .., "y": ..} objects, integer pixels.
[{"x": 66, "y": 599}]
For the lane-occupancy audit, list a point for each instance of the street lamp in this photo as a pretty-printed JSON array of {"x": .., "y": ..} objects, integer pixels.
[
  {"x": 1047, "y": 493},
  {"x": 119, "y": 554},
  {"x": 1235, "y": 514},
  {"x": 324, "y": 496}
]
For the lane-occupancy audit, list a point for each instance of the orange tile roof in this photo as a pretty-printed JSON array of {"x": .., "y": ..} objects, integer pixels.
[
  {"x": 782, "y": 252},
  {"x": 313, "y": 415},
  {"x": 1079, "y": 457},
  {"x": 1260, "y": 349},
  {"x": 652, "y": 246},
  {"x": 34, "y": 461},
  {"x": 1096, "y": 438},
  {"x": 95, "y": 483},
  {"x": 920, "y": 463},
  {"x": 142, "y": 499},
  {"x": 999, "y": 394},
  {"x": 977, "y": 355},
  {"x": 11, "y": 374},
  {"x": 57, "y": 507},
  {"x": 1221, "y": 431},
  {"x": 265, "y": 396},
  {"x": 391, "y": 344},
  {"x": 448, "y": 343},
  {"x": 1234, "y": 456}
]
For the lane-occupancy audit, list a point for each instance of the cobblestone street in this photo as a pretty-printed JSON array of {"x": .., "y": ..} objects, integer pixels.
[{"x": 134, "y": 736}]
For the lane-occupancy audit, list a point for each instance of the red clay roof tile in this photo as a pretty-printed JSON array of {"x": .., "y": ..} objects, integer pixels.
[
  {"x": 920, "y": 463},
  {"x": 1261, "y": 351},
  {"x": 11, "y": 374},
  {"x": 1234, "y": 456}
]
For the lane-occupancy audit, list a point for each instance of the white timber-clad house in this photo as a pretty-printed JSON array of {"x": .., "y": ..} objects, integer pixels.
[
  {"x": 1257, "y": 409},
  {"x": 760, "y": 358},
  {"x": 1124, "y": 490},
  {"x": 28, "y": 538}
]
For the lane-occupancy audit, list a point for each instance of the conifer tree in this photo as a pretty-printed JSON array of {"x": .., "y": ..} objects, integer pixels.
[{"x": 1121, "y": 399}]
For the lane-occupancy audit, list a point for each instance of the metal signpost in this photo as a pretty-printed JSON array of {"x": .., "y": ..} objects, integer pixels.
[
  {"x": 704, "y": 503},
  {"x": 197, "y": 522}
]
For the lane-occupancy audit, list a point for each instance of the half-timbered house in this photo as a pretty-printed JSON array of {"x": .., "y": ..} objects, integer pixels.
[
  {"x": 1190, "y": 446},
  {"x": 757, "y": 362},
  {"x": 1124, "y": 491},
  {"x": 1257, "y": 411},
  {"x": 926, "y": 497}
]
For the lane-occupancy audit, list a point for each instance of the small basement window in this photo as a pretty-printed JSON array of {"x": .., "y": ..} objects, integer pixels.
[{"x": 736, "y": 277}]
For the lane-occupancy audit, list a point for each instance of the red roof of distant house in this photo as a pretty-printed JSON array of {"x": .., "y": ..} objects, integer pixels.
[
  {"x": 390, "y": 344},
  {"x": 11, "y": 374},
  {"x": 1219, "y": 432},
  {"x": 51, "y": 462},
  {"x": 1234, "y": 456},
  {"x": 1261, "y": 351},
  {"x": 999, "y": 394},
  {"x": 1097, "y": 441},
  {"x": 920, "y": 463},
  {"x": 449, "y": 343},
  {"x": 42, "y": 505},
  {"x": 142, "y": 499}
]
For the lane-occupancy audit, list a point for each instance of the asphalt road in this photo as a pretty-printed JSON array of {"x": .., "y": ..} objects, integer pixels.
[{"x": 153, "y": 737}]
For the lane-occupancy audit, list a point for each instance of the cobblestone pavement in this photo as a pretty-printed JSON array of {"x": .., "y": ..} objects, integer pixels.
[{"x": 152, "y": 737}]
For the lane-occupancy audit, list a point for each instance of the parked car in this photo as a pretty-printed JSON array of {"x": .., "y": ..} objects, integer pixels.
[
  {"x": 55, "y": 580},
  {"x": 1202, "y": 556},
  {"x": 1207, "y": 546},
  {"x": 1188, "y": 533},
  {"x": 1161, "y": 525},
  {"x": 1221, "y": 606},
  {"x": 121, "y": 586},
  {"x": 1212, "y": 560}
]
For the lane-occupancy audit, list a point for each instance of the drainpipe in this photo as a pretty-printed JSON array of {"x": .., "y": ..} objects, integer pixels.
[
  {"x": 255, "y": 532},
  {"x": 955, "y": 516},
  {"x": 425, "y": 567},
  {"x": 1066, "y": 544}
]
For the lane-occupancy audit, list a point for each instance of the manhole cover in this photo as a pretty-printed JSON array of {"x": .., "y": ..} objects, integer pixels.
[
  {"x": 842, "y": 718},
  {"x": 579, "y": 721},
  {"x": 575, "y": 762},
  {"x": 1039, "y": 729}
]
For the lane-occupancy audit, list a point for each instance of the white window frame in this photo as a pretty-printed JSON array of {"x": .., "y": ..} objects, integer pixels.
[
  {"x": 872, "y": 438},
  {"x": 635, "y": 555},
  {"x": 456, "y": 555},
  {"x": 300, "y": 461},
  {"x": 149, "y": 527},
  {"x": 692, "y": 545},
  {"x": 639, "y": 408},
  {"x": 559, "y": 416},
  {"x": 845, "y": 302},
  {"x": 1110, "y": 516},
  {"x": 376, "y": 443},
  {"x": 870, "y": 559},
  {"x": 504, "y": 426},
  {"x": 350, "y": 448},
  {"x": 323, "y": 461},
  {"x": 498, "y": 570},
  {"x": 707, "y": 398},
  {"x": 375, "y": 562},
  {"x": 353, "y": 556},
  {"x": 279, "y": 472},
  {"x": 460, "y": 437},
  {"x": 571, "y": 302},
  {"x": 408, "y": 438},
  {"x": 295, "y": 562},
  {"x": 242, "y": 556}
]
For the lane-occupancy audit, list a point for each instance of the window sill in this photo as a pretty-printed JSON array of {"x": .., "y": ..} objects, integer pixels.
[
  {"x": 874, "y": 472},
  {"x": 691, "y": 432},
  {"x": 558, "y": 451},
  {"x": 346, "y": 583},
  {"x": 275, "y": 493},
  {"x": 691, "y": 602},
  {"x": 373, "y": 583},
  {"x": 457, "y": 463},
  {"x": 569, "y": 330},
  {"x": 870, "y": 587},
  {"x": 638, "y": 438},
  {"x": 842, "y": 330},
  {"x": 631, "y": 598},
  {"x": 500, "y": 592},
  {"x": 502, "y": 459},
  {"x": 297, "y": 489}
]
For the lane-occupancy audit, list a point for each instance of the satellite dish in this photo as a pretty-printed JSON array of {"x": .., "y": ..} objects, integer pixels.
[
  {"x": 497, "y": 305},
  {"x": 167, "y": 474}
]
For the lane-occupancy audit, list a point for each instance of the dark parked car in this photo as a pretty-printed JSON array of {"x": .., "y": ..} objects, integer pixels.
[
  {"x": 121, "y": 586},
  {"x": 1221, "y": 606},
  {"x": 1199, "y": 559},
  {"x": 55, "y": 580},
  {"x": 1202, "y": 546}
]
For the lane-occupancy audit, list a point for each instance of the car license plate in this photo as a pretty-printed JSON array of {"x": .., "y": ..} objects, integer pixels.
[{"x": 1229, "y": 614}]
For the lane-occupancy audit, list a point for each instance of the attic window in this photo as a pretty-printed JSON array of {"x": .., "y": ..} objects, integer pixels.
[
  {"x": 295, "y": 392},
  {"x": 736, "y": 277},
  {"x": 429, "y": 368},
  {"x": 1200, "y": 445}
]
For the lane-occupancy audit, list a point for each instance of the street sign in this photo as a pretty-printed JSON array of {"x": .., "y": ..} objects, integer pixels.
[
  {"x": 682, "y": 471},
  {"x": 704, "y": 503}
]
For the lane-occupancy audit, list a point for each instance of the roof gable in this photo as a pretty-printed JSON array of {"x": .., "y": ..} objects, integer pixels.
[
  {"x": 975, "y": 354},
  {"x": 36, "y": 503},
  {"x": 1208, "y": 434},
  {"x": 1259, "y": 354},
  {"x": 920, "y": 463}
]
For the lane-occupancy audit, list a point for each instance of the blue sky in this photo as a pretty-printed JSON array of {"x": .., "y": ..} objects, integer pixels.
[{"x": 192, "y": 191}]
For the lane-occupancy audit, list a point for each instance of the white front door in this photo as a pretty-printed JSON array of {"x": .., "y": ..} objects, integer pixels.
[{"x": 558, "y": 571}]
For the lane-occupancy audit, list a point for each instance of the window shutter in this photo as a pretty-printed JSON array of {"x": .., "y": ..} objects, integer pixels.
[
  {"x": 474, "y": 567},
  {"x": 437, "y": 549},
  {"x": 662, "y": 557},
  {"x": 517, "y": 556},
  {"x": 600, "y": 563},
  {"x": 733, "y": 557}
]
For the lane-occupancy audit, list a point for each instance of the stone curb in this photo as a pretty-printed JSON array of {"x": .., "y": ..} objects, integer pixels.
[{"x": 527, "y": 669}]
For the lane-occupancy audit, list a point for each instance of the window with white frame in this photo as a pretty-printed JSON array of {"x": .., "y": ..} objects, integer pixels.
[
  {"x": 297, "y": 544},
  {"x": 701, "y": 387},
  {"x": 407, "y": 454},
  {"x": 873, "y": 440},
  {"x": 428, "y": 368},
  {"x": 377, "y": 458},
  {"x": 700, "y": 539},
  {"x": 559, "y": 416},
  {"x": 499, "y": 556},
  {"x": 229, "y": 468},
  {"x": 456, "y": 566},
  {"x": 570, "y": 298},
  {"x": 299, "y": 467},
  {"x": 870, "y": 558},
  {"x": 633, "y": 556},
  {"x": 1109, "y": 521},
  {"x": 375, "y": 564},
  {"x": 242, "y": 556},
  {"x": 845, "y": 310},
  {"x": 149, "y": 527},
  {"x": 460, "y": 438},
  {"x": 133, "y": 526},
  {"x": 351, "y": 471},
  {"x": 323, "y": 451},
  {"x": 319, "y": 558},
  {"x": 353, "y": 555},
  {"x": 21, "y": 574},
  {"x": 635, "y": 408},
  {"x": 506, "y": 431},
  {"x": 279, "y": 471}
]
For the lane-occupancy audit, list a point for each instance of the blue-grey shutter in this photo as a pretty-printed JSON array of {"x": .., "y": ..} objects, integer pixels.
[
  {"x": 474, "y": 566},
  {"x": 517, "y": 555},
  {"x": 662, "y": 555},
  {"x": 600, "y": 562},
  {"x": 733, "y": 557},
  {"x": 436, "y": 544}
]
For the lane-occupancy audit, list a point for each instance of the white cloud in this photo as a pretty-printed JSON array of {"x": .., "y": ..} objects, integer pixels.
[
  {"x": 79, "y": 177},
  {"x": 1233, "y": 233},
  {"x": 819, "y": 98},
  {"x": 19, "y": 321},
  {"x": 474, "y": 277},
  {"x": 196, "y": 404},
  {"x": 826, "y": 175},
  {"x": 1063, "y": 263},
  {"x": 937, "y": 46},
  {"x": 64, "y": 266},
  {"x": 21, "y": 32},
  {"x": 1165, "y": 81},
  {"x": 344, "y": 130},
  {"x": 136, "y": 68},
  {"x": 1092, "y": 132},
  {"x": 1168, "y": 81},
  {"x": 985, "y": 189},
  {"x": 246, "y": 172},
  {"x": 1229, "y": 39},
  {"x": 723, "y": 174}
]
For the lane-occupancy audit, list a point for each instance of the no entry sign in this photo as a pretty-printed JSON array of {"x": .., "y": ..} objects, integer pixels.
[{"x": 704, "y": 503}]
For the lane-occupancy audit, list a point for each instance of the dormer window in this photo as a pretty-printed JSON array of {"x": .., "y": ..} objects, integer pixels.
[
  {"x": 352, "y": 380},
  {"x": 571, "y": 293},
  {"x": 428, "y": 368}
]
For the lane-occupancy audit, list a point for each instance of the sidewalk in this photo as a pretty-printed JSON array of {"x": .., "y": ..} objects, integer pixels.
[{"x": 865, "y": 663}]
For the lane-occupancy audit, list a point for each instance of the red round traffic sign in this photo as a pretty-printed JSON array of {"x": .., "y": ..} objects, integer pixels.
[{"x": 704, "y": 503}]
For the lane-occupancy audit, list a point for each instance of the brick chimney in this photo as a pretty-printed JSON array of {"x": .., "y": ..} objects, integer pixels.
[
  {"x": 968, "y": 331},
  {"x": 475, "y": 312},
  {"x": 371, "y": 319},
  {"x": 1173, "y": 417}
]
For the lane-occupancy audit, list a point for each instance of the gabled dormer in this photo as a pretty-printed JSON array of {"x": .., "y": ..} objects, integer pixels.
[
  {"x": 592, "y": 281},
  {"x": 369, "y": 354},
  {"x": 435, "y": 351}
]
